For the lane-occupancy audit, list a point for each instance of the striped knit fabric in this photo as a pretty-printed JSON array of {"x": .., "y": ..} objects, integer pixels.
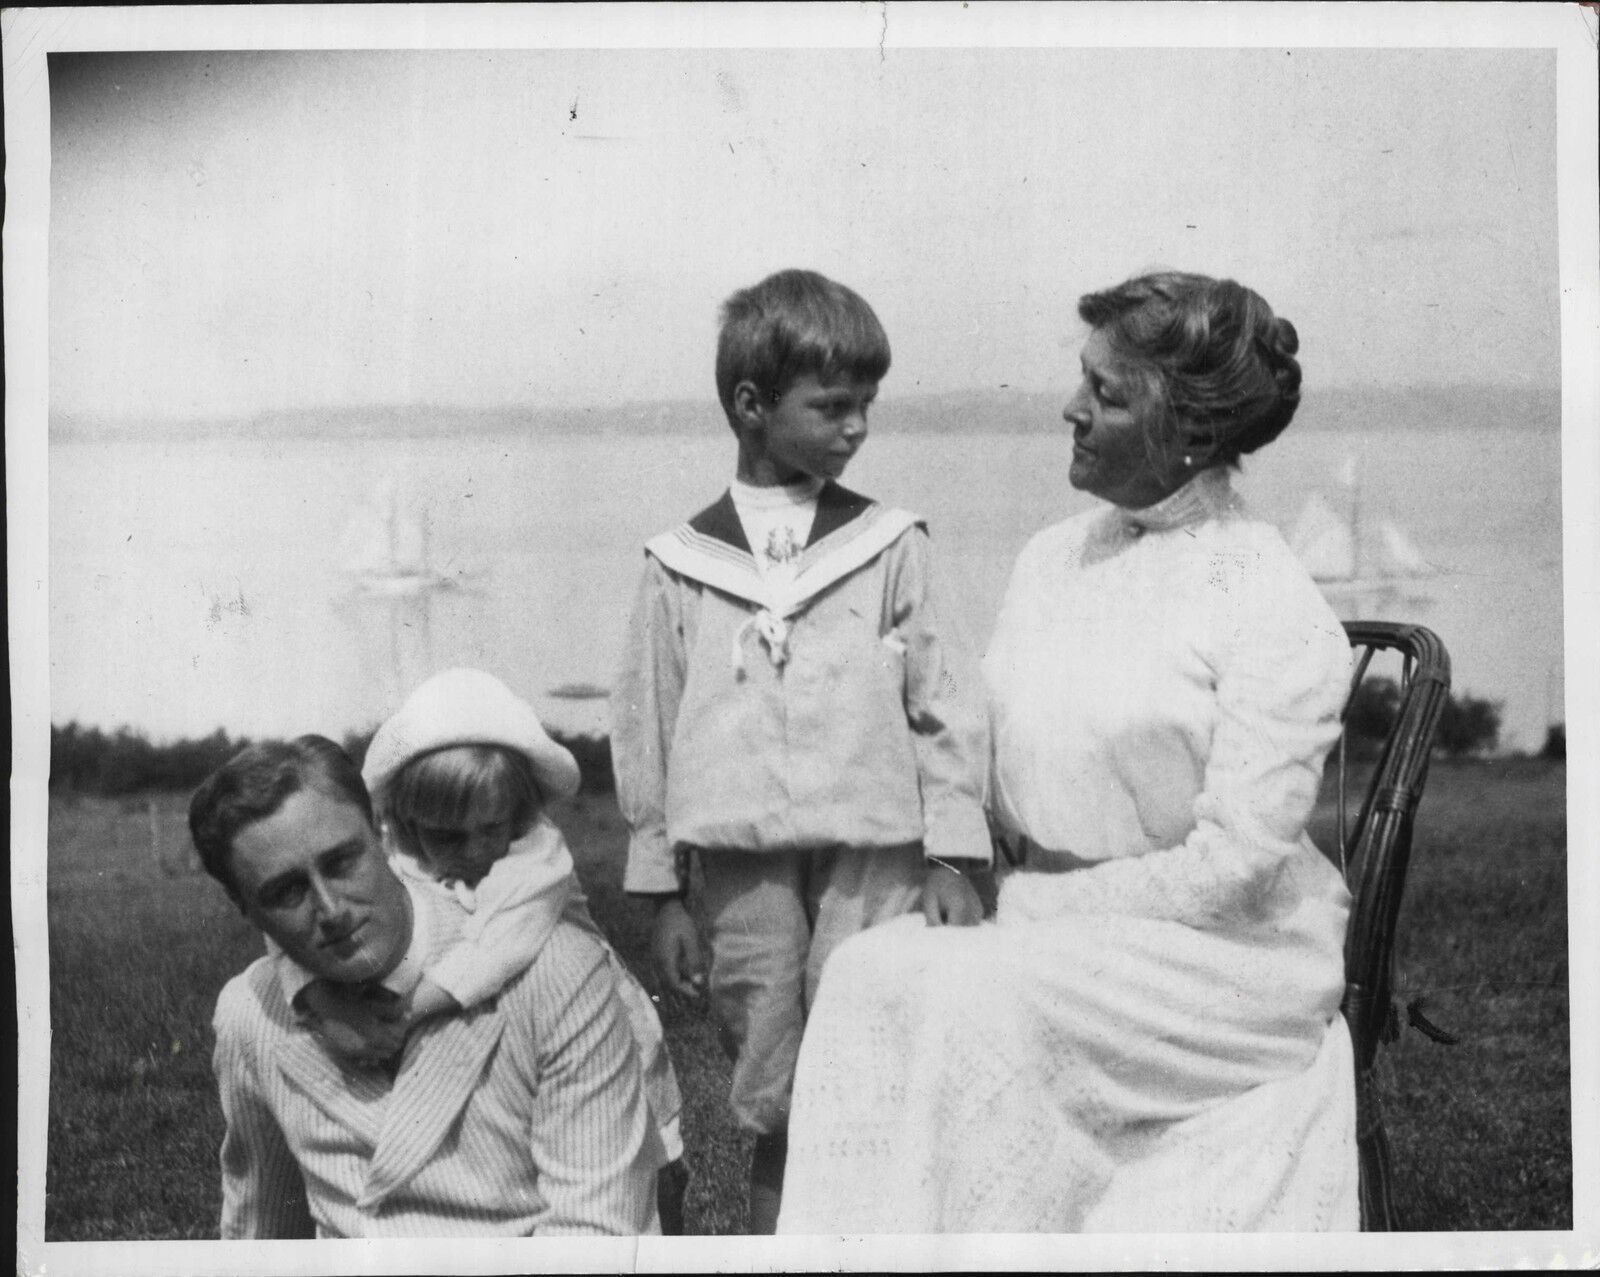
[{"x": 521, "y": 1117}]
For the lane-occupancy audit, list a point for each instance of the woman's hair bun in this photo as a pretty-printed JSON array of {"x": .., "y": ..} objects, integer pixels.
[
  {"x": 1224, "y": 363},
  {"x": 1285, "y": 340},
  {"x": 1282, "y": 346}
]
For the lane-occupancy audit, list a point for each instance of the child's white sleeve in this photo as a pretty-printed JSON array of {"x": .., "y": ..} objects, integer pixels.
[
  {"x": 517, "y": 905},
  {"x": 644, "y": 713},
  {"x": 947, "y": 708}
]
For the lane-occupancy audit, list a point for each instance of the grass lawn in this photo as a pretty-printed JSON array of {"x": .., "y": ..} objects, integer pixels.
[
  {"x": 1482, "y": 1131},
  {"x": 140, "y": 944}
]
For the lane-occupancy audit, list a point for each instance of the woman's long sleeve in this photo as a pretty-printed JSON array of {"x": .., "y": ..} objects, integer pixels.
[{"x": 1281, "y": 675}]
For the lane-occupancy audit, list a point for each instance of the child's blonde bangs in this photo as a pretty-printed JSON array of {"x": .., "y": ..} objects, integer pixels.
[{"x": 448, "y": 787}]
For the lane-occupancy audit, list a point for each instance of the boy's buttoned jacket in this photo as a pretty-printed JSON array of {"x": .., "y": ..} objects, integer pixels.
[
  {"x": 524, "y": 1116},
  {"x": 840, "y": 712}
]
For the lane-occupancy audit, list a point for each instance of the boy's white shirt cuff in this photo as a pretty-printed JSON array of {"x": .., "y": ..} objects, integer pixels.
[
  {"x": 959, "y": 831},
  {"x": 652, "y": 868}
]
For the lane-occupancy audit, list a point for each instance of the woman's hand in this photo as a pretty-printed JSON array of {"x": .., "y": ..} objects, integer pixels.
[
  {"x": 675, "y": 944},
  {"x": 949, "y": 900}
]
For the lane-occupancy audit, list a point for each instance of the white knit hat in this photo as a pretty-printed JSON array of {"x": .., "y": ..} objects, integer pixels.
[{"x": 467, "y": 707}]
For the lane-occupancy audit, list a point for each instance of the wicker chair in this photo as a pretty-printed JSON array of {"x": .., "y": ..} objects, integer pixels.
[{"x": 1373, "y": 856}]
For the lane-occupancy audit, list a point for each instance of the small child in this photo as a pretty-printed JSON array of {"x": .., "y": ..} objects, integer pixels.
[
  {"x": 458, "y": 777},
  {"x": 792, "y": 707}
]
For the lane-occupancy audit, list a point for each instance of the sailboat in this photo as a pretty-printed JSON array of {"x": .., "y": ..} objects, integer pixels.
[
  {"x": 1365, "y": 568},
  {"x": 386, "y": 550},
  {"x": 386, "y": 556}
]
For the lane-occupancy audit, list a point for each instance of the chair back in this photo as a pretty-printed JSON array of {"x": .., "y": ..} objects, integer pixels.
[{"x": 1374, "y": 853}]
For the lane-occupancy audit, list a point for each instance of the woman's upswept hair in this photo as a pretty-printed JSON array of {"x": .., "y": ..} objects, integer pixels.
[
  {"x": 258, "y": 780},
  {"x": 794, "y": 324},
  {"x": 444, "y": 787},
  {"x": 1220, "y": 364}
]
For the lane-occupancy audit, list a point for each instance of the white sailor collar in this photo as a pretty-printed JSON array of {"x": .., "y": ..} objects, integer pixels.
[{"x": 849, "y": 531}]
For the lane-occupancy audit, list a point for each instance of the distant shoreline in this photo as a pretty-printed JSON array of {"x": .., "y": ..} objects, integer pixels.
[{"x": 1000, "y": 411}]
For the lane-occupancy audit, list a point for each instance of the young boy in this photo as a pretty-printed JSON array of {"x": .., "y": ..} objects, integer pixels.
[{"x": 797, "y": 714}]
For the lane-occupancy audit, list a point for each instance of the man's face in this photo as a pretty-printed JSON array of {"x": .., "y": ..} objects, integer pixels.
[{"x": 313, "y": 877}]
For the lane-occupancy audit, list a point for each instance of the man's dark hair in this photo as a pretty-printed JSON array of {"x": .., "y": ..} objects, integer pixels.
[{"x": 255, "y": 783}]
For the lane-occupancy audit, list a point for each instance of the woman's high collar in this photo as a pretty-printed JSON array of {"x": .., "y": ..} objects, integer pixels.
[{"x": 1205, "y": 495}]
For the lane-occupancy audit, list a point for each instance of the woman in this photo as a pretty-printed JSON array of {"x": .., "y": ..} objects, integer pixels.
[{"x": 1150, "y": 1037}]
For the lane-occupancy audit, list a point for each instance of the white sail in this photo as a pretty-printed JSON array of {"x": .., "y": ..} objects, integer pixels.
[
  {"x": 385, "y": 548},
  {"x": 385, "y": 555},
  {"x": 1400, "y": 556},
  {"x": 1324, "y": 542},
  {"x": 383, "y": 537},
  {"x": 365, "y": 545},
  {"x": 1362, "y": 571},
  {"x": 408, "y": 540}
]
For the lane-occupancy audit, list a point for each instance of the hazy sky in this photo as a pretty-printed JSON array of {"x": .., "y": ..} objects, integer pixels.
[{"x": 232, "y": 232}]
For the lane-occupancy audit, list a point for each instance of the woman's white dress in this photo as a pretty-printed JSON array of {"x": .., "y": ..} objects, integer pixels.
[{"x": 1148, "y": 1037}]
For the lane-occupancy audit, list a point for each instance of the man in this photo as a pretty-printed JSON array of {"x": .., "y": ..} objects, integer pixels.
[{"x": 524, "y": 1116}]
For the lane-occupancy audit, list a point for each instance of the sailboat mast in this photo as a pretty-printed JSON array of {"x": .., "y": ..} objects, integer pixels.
[
  {"x": 1355, "y": 523},
  {"x": 393, "y": 524}
]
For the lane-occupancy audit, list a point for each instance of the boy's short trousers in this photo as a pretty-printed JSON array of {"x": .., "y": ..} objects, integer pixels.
[{"x": 774, "y": 917}]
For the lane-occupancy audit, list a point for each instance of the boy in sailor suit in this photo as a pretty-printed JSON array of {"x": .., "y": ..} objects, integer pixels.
[{"x": 792, "y": 708}]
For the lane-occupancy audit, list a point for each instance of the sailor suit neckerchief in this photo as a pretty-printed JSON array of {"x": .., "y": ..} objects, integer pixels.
[
  {"x": 849, "y": 531},
  {"x": 777, "y": 522}
]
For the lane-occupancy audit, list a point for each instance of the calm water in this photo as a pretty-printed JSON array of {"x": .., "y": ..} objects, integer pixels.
[{"x": 199, "y": 584}]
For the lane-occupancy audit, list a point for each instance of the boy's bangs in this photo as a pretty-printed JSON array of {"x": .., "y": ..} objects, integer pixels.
[
  {"x": 853, "y": 346},
  {"x": 858, "y": 360}
]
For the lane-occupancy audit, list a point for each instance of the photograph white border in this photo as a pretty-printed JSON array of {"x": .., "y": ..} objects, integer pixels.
[{"x": 30, "y": 34}]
